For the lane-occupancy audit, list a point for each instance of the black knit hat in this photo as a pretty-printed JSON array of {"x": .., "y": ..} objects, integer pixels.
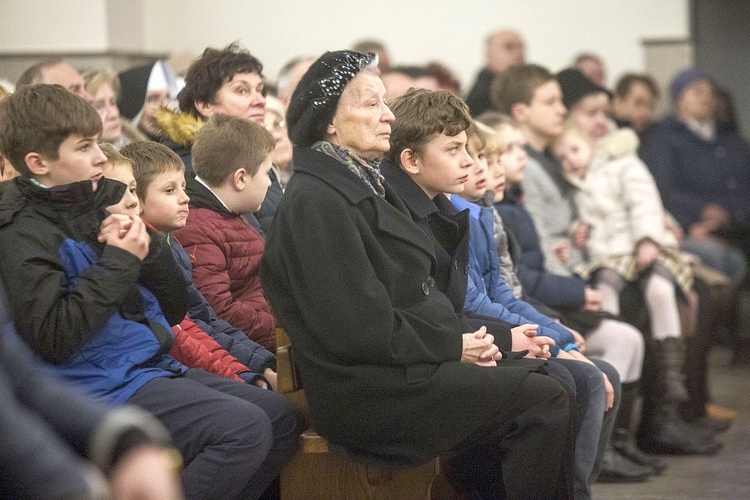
[
  {"x": 575, "y": 86},
  {"x": 314, "y": 101}
]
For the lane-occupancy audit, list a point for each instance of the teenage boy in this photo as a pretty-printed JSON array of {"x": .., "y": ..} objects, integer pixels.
[
  {"x": 428, "y": 159},
  {"x": 231, "y": 158},
  {"x": 86, "y": 297},
  {"x": 531, "y": 95}
]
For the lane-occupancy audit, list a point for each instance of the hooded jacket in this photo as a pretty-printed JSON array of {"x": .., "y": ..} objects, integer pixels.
[
  {"x": 225, "y": 252},
  {"x": 619, "y": 199},
  {"x": 90, "y": 309}
]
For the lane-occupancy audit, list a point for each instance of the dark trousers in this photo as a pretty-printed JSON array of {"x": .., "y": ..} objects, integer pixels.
[
  {"x": 528, "y": 441},
  {"x": 234, "y": 437}
]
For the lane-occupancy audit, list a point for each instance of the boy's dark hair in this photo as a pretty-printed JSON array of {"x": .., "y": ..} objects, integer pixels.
[
  {"x": 35, "y": 72},
  {"x": 227, "y": 143},
  {"x": 626, "y": 82},
  {"x": 422, "y": 114},
  {"x": 210, "y": 71},
  {"x": 149, "y": 160},
  {"x": 38, "y": 118},
  {"x": 517, "y": 85}
]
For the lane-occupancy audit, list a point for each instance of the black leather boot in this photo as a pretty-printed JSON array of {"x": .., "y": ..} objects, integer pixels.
[
  {"x": 616, "y": 468},
  {"x": 670, "y": 380},
  {"x": 663, "y": 431},
  {"x": 624, "y": 444}
]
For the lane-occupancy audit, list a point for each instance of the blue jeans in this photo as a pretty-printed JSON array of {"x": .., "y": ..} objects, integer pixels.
[{"x": 593, "y": 425}]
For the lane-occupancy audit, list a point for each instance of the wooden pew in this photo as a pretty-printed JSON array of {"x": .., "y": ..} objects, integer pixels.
[{"x": 318, "y": 472}]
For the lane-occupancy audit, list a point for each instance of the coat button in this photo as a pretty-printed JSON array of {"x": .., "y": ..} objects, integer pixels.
[
  {"x": 425, "y": 289},
  {"x": 455, "y": 265},
  {"x": 466, "y": 271},
  {"x": 431, "y": 282}
]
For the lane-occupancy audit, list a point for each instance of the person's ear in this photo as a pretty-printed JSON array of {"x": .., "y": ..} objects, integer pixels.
[
  {"x": 204, "y": 108},
  {"x": 330, "y": 129},
  {"x": 141, "y": 206},
  {"x": 519, "y": 111},
  {"x": 36, "y": 164},
  {"x": 239, "y": 179},
  {"x": 409, "y": 161}
]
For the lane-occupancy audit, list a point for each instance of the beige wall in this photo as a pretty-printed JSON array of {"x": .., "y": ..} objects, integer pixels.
[{"x": 415, "y": 30}]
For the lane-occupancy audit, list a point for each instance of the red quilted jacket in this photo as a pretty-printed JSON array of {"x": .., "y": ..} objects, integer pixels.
[{"x": 225, "y": 251}]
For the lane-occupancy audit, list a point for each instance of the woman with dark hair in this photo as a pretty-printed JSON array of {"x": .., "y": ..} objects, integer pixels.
[
  {"x": 228, "y": 81},
  {"x": 390, "y": 372}
]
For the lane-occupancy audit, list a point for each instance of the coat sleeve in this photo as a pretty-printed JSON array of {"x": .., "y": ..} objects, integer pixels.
[
  {"x": 658, "y": 152},
  {"x": 249, "y": 313},
  {"x": 46, "y": 426},
  {"x": 64, "y": 317},
  {"x": 554, "y": 290},
  {"x": 194, "y": 348},
  {"x": 642, "y": 202},
  {"x": 160, "y": 274},
  {"x": 251, "y": 354},
  {"x": 481, "y": 302},
  {"x": 318, "y": 273}
]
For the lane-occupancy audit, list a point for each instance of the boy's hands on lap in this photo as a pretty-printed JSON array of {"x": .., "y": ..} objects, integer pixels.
[{"x": 125, "y": 232}]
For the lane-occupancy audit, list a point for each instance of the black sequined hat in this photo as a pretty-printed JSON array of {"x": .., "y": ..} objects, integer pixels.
[{"x": 314, "y": 101}]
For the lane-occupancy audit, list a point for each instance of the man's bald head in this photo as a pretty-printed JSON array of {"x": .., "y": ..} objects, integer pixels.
[{"x": 505, "y": 48}]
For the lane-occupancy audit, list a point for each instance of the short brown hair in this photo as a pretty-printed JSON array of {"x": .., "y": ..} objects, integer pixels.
[
  {"x": 422, "y": 114},
  {"x": 149, "y": 160},
  {"x": 38, "y": 118},
  {"x": 517, "y": 85},
  {"x": 226, "y": 143}
]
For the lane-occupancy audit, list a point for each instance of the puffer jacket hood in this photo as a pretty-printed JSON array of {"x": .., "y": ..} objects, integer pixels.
[{"x": 180, "y": 128}]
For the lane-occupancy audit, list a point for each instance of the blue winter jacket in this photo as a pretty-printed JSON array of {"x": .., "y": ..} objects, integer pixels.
[
  {"x": 487, "y": 292},
  {"x": 123, "y": 354},
  {"x": 91, "y": 310}
]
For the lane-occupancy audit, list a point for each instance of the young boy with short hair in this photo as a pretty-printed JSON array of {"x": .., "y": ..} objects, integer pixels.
[
  {"x": 86, "y": 290},
  {"x": 532, "y": 96},
  {"x": 164, "y": 208},
  {"x": 231, "y": 159}
]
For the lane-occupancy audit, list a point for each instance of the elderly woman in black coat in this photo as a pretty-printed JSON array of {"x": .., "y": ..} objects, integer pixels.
[{"x": 391, "y": 371}]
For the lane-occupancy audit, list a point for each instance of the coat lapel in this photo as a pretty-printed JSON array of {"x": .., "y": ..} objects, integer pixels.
[{"x": 392, "y": 215}]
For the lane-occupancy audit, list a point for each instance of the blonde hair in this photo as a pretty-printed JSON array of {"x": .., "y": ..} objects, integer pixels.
[
  {"x": 572, "y": 130},
  {"x": 493, "y": 143},
  {"x": 114, "y": 158},
  {"x": 96, "y": 78}
]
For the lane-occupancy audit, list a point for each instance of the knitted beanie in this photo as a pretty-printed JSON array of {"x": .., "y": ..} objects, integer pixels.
[
  {"x": 683, "y": 79},
  {"x": 316, "y": 97},
  {"x": 575, "y": 86}
]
